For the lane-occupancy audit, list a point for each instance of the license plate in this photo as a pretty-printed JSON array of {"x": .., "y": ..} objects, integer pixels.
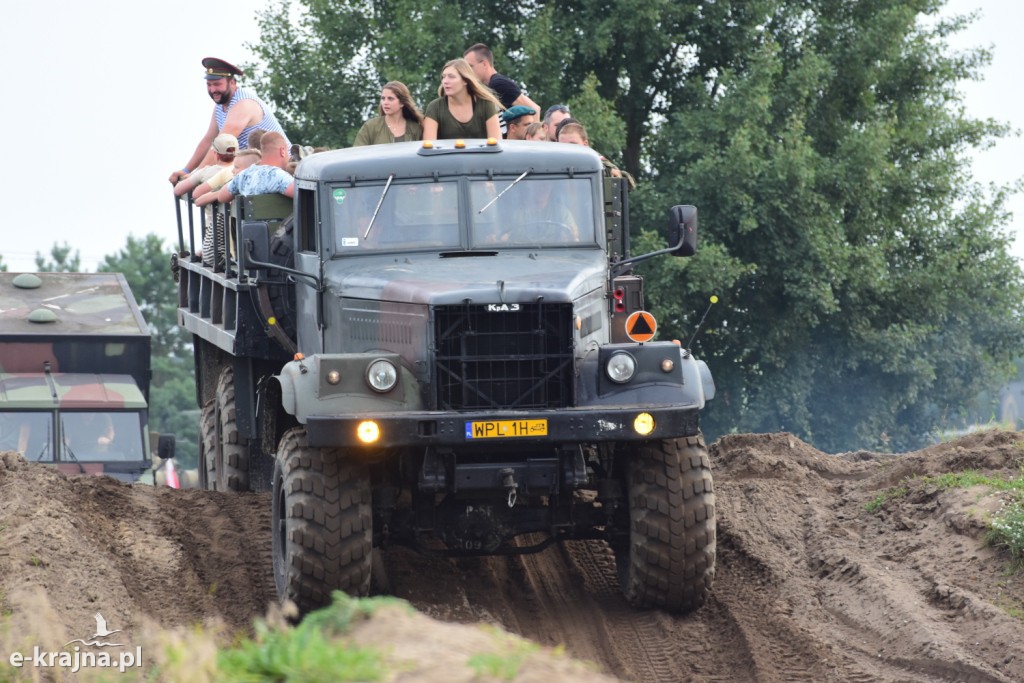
[{"x": 504, "y": 429}]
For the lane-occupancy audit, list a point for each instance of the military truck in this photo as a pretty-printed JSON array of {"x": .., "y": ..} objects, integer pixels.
[
  {"x": 442, "y": 345},
  {"x": 75, "y": 373}
]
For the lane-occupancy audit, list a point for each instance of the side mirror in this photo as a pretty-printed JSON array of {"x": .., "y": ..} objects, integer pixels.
[
  {"x": 682, "y": 230},
  {"x": 165, "y": 446},
  {"x": 255, "y": 248}
]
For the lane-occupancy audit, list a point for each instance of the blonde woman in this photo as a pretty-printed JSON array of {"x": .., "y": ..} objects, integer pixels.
[
  {"x": 465, "y": 108},
  {"x": 399, "y": 121}
]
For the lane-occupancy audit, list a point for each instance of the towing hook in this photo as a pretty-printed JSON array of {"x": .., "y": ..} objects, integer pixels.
[{"x": 508, "y": 480}]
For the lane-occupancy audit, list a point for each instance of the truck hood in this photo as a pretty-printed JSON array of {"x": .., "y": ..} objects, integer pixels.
[{"x": 511, "y": 276}]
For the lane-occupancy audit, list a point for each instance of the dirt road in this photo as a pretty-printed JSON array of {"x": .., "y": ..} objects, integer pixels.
[{"x": 810, "y": 585}]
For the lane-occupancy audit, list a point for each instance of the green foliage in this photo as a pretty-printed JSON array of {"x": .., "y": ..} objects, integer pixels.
[
  {"x": 884, "y": 497},
  {"x": 62, "y": 260},
  {"x": 3, "y": 266},
  {"x": 604, "y": 127},
  {"x": 502, "y": 666},
  {"x": 1007, "y": 532},
  {"x": 301, "y": 654},
  {"x": 872, "y": 291},
  {"x": 865, "y": 282},
  {"x": 311, "y": 651}
]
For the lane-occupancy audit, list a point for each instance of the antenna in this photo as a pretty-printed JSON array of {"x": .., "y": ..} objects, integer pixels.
[{"x": 712, "y": 301}]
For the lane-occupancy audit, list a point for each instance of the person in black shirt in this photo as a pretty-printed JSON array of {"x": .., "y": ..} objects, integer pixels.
[{"x": 481, "y": 60}]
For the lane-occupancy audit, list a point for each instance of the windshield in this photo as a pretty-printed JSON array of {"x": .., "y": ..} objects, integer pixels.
[
  {"x": 28, "y": 433},
  {"x": 105, "y": 436},
  {"x": 537, "y": 211},
  {"x": 411, "y": 217}
]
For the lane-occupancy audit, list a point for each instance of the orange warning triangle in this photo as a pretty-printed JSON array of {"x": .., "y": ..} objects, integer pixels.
[{"x": 641, "y": 326}]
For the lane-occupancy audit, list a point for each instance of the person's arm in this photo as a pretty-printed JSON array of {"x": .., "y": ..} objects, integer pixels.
[
  {"x": 201, "y": 189},
  {"x": 183, "y": 186},
  {"x": 494, "y": 128},
  {"x": 524, "y": 100},
  {"x": 224, "y": 195},
  {"x": 211, "y": 197},
  {"x": 108, "y": 432},
  {"x": 289, "y": 191},
  {"x": 245, "y": 113},
  {"x": 202, "y": 149},
  {"x": 23, "y": 439},
  {"x": 430, "y": 128}
]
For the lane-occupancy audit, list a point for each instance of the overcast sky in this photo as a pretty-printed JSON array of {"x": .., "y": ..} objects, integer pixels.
[{"x": 104, "y": 100}]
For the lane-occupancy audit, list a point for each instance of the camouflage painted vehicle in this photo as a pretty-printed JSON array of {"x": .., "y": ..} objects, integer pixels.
[
  {"x": 74, "y": 373},
  {"x": 445, "y": 347}
]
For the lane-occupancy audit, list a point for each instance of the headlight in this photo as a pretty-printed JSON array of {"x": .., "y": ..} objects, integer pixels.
[
  {"x": 382, "y": 375},
  {"x": 621, "y": 367}
]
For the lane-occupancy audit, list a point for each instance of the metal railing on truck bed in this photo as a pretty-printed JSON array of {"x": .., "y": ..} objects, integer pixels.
[{"x": 215, "y": 301}]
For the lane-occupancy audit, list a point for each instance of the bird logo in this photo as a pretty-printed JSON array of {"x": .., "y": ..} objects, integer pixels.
[{"x": 101, "y": 632}]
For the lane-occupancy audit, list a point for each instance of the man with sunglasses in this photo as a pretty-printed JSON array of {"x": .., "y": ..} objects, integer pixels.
[
  {"x": 555, "y": 114},
  {"x": 236, "y": 111}
]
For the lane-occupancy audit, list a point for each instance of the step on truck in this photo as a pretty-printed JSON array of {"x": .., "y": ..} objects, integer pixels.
[
  {"x": 75, "y": 374},
  {"x": 443, "y": 345}
]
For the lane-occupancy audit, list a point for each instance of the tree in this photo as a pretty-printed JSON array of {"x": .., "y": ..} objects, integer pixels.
[
  {"x": 61, "y": 260},
  {"x": 871, "y": 290},
  {"x": 865, "y": 282},
  {"x": 146, "y": 267}
]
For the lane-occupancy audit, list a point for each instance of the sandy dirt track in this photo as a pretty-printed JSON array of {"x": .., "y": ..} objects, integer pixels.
[{"x": 809, "y": 586}]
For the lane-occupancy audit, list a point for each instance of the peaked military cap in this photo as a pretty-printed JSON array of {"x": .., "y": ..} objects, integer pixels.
[{"x": 218, "y": 68}]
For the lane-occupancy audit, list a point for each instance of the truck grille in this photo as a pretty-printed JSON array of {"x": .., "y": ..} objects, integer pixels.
[{"x": 503, "y": 356}]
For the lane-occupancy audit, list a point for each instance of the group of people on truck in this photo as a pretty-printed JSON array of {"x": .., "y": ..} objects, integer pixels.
[{"x": 474, "y": 101}]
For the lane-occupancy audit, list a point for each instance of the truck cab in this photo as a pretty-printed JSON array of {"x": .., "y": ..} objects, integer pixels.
[{"x": 74, "y": 374}]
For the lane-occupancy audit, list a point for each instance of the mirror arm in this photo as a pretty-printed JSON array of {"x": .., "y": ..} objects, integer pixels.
[
  {"x": 316, "y": 284},
  {"x": 618, "y": 266}
]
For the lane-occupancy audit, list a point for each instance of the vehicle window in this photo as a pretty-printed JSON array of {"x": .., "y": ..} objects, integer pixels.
[
  {"x": 28, "y": 433},
  {"x": 411, "y": 217},
  {"x": 104, "y": 436},
  {"x": 534, "y": 212}
]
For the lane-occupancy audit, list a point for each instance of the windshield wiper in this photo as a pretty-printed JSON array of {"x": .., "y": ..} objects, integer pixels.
[
  {"x": 380, "y": 201},
  {"x": 498, "y": 196}
]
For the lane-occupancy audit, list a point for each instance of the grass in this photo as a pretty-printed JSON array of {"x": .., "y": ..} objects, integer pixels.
[
  {"x": 504, "y": 666},
  {"x": 1005, "y": 529}
]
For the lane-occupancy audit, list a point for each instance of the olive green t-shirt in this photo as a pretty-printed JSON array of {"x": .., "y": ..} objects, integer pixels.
[
  {"x": 449, "y": 128},
  {"x": 376, "y": 132}
]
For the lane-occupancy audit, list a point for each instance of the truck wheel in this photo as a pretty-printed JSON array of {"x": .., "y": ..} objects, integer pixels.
[
  {"x": 321, "y": 523},
  {"x": 207, "y": 446},
  {"x": 232, "y": 457},
  {"x": 669, "y": 561}
]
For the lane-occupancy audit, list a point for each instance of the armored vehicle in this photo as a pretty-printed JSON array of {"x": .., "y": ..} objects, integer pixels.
[
  {"x": 75, "y": 372},
  {"x": 443, "y": 345}
]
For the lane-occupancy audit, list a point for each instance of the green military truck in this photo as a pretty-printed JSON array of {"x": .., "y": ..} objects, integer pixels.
[
  {"x": 74, "y": 374},
  {"x": 443, "y": 346}
]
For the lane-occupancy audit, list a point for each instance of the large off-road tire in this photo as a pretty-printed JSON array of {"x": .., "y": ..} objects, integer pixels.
[
  {"x": 207, "y": 446},
  {"x": 669, "y": 561},
  {"x": 322, "y": 523},
  {"x": 232, "y": 455}
]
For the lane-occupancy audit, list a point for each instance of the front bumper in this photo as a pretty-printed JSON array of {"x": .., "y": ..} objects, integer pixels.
[{"x": 570, "y": 425}]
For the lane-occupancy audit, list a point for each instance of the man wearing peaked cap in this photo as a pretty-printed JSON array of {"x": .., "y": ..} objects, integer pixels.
[
  {"x": 517, "y": 118},
  {"x": 236, "y": 111}
]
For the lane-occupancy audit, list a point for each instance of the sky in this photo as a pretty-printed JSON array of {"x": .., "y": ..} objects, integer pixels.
[{"x": 102, "y": 104}]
